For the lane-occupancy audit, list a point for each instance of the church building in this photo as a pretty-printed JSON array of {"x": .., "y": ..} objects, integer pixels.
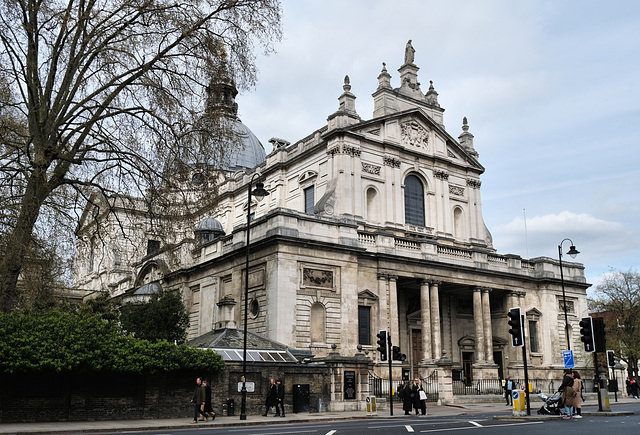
[{"x": 369, "y": 224}]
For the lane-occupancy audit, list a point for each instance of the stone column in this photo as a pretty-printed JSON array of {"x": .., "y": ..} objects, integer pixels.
[
  {"x": 393, "y": 309},
  {"x": 435, "y": 321},
  {"x": 383, "y": 311},
  {"x": 478, "y": 323},
  {"x": 488, "y": 334},
  {"x": 425, "y": 320}
]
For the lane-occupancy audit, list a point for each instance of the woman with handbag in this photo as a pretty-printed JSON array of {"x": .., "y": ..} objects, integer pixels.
[{"x": 420, "y": 398}]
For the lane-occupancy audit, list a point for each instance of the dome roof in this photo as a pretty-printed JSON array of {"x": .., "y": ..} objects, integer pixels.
[
  {"x": 209, "y": 224},
  {"x": 249, "y": 154}
]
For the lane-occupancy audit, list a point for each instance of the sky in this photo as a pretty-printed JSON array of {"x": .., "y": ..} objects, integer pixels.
[{"x": 550, "y": 89}]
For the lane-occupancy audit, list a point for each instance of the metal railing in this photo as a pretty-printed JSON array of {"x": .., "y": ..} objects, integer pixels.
[
  {"x": 380, "y": 387},
  {"x": 494, "y": 386}
]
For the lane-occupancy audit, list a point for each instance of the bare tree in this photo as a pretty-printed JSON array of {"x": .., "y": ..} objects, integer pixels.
[
  {"x": 618, "y": 300},
  {"x": 100, "y": 94}
]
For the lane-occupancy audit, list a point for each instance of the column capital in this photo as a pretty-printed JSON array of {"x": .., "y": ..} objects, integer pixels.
[
  {"x": 485, "y": 289},
  {"x": 435, "y": 282},
  {"x": 425, "y": 281},
  {"x": 382, "y": 276},
  {"x": 392, "y": 277}
]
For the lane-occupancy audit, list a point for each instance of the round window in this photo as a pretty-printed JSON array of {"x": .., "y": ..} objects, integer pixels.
[{"x": 254, "y": 308}]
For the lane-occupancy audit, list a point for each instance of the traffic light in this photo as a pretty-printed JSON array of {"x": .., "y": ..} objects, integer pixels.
[
  {"x": 382, "y": 344},
  {"x": 397, "y": 356},
  {"x": 586, "y": 334},
  {"x": 599, "y": 336},
  {"x": 611, "y": 360},
  {"x": 515, "y": 321}
]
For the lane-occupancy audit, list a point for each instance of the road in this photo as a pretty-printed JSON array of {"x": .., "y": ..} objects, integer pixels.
[{"x": 470, "y": 424}]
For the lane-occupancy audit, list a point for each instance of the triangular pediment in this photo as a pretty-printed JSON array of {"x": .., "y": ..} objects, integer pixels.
[
  {"x": 367, "y": 294},
  {"x": 414, "y": 131}
]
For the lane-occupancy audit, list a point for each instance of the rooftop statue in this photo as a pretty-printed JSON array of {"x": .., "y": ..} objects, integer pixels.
[{"x": 409, "y": 53}]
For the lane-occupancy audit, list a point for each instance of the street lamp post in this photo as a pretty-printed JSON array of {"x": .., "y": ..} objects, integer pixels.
[
  {"x": 259, "y": 193},
  {"x": 572, "y": 252}
]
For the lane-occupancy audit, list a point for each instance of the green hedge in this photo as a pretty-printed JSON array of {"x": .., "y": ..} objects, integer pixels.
[{"x": 61, "y": 341}]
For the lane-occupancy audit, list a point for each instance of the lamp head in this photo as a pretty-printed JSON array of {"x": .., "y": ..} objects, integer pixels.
[
  {"x": 573, "y": 251},
  {"x": 259, "y": 192}
]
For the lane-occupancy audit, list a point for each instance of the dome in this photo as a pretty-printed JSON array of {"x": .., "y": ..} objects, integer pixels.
[
  {"x": 209, "y": 225},
  {"x": 249, "y": 154},
  {"x": 208, "y": 230}
]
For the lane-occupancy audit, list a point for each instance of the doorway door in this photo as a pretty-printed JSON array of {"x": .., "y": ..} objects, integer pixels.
[
  {"x": 467, "y": 361},
  {"x": 497, "y": 359},
  {"x": 416, "y": 350}
]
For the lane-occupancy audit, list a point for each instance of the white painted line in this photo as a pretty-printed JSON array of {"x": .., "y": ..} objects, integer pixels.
[
  {"x": 331, "y": 432},
  {"x": 409, "y": 428},
  {"x": 483, "y": 427},
  {"x": 475, "y": 423}
]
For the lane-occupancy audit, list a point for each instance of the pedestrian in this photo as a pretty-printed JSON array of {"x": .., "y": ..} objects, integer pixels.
[
  {"x": 207, "y": 401},
  {"x": 635, "y": 388},
  {"x": 508, "y": 390},
  {"x": 198, "y": 401},
  {"x": 566, "y": 388},
  {"x": 628, "y": 384},
  {"x": 419, "y": 398},
  {"x": 406, "y": 394},
  {"x": 272, "y": 397},
  {"x": 280, "y": 398},
  {"x": 577, "y": 401}
]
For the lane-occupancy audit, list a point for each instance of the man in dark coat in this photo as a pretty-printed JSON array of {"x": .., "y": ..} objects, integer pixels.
[
  {"x": 208, "y": 409},
  {"x": 406, "y": 394},
  {"x": 279, "y": 398},
  {"x": 272, "y": 397},
  {"x": 198, "y": 401}
]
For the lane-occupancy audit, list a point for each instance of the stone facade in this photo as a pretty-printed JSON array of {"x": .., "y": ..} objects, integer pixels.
[{"x": 368, "y": 225}]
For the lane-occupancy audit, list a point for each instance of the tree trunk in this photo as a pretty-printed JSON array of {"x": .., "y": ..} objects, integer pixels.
[{"x": 20, "y": 238}]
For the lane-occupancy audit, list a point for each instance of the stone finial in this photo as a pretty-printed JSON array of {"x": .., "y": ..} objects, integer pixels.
[
  {"x": 409, "y": 53},
  {"x": 432, "y": 96},
  {"x": 384, "y": 79},
  {"x": 347, "y": 86},
  {"x": 466, "y": 139}
]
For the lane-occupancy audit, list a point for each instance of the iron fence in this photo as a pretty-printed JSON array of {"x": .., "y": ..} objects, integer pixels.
[
  {"x": 494, "y": 386},
  {"x": 380, "y": 387}
]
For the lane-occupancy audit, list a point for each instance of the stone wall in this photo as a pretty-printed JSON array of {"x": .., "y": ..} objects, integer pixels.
[{"x": 107, "y": 396}]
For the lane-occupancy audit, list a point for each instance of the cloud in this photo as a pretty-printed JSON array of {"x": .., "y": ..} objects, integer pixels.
[{"x": 602, "y": 244}]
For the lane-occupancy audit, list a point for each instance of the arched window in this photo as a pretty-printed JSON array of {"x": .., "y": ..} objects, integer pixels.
[
  {"x": 372, "y": 205},
  {"x": 413, "y": 201},
  {"x": 317, "y": 323}
]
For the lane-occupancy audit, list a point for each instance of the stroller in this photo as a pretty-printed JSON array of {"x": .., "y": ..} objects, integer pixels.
[{"x": 551, "y": 405}]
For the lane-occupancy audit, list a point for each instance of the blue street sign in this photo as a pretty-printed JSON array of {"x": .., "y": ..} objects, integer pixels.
[{"x": 567, "y": 356}]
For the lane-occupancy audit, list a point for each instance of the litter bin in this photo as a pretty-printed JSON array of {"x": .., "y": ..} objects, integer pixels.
[
  {"x": 231, "y": 404},
  {"x": 301, "y": 398}
]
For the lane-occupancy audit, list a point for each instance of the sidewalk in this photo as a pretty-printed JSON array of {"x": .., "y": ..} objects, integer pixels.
[{"x": 499, "y": 409}]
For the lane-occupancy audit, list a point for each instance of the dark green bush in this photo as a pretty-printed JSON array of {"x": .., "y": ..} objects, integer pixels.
[{"x": 64, "y": 341}]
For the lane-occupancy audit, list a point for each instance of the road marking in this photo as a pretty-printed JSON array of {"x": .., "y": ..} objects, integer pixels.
[
  {"x": 409, "y": 428},
  {"x": 483, "y": 427},
  {"x": 475, "y": 423},
  {"x": 331, "y": 432}
]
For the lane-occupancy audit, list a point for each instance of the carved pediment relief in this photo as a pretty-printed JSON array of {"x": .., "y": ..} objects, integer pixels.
[{"x": 414, "y": 134}]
